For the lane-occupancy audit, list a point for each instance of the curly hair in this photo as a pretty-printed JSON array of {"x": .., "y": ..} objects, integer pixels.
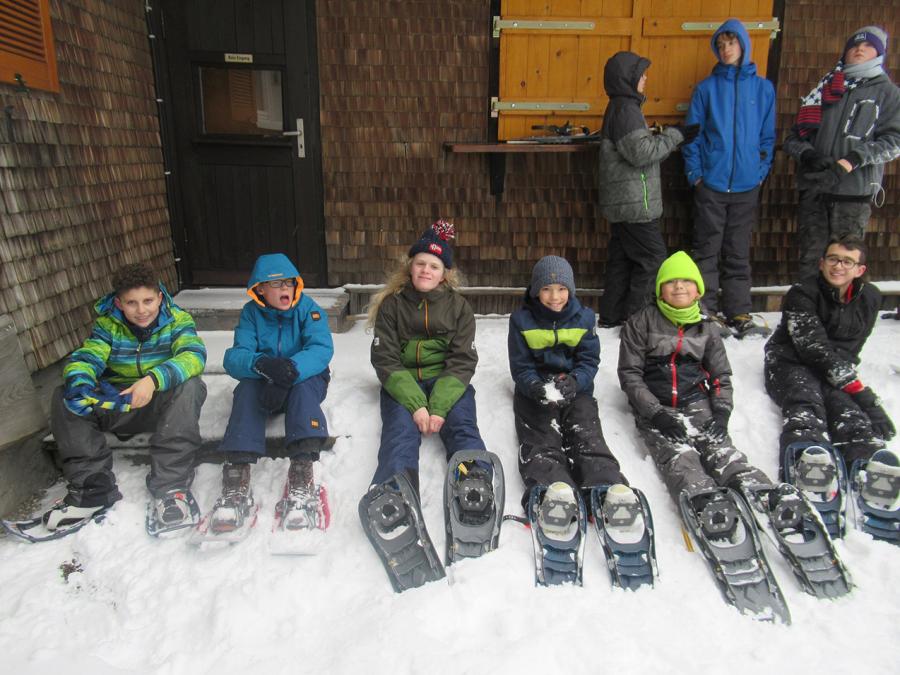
[
  {"x": 453, "y": 278},
  {"x": 135, "y": 275}
]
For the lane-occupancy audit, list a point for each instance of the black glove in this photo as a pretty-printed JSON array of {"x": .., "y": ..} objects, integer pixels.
[
  {"x": 670, "y": 426},
  {"x": 689, "y": 131},
  {"x": 716, "y": 428},
  {"x": 272, "y": 396},
  {"x": 567, "y": 386},
  {"x": 537, "y": 390},
  {"x": 823, "y": 181},
  {"x": 871, "y": 405},
  {"x": 282, "y": 372},
  {"x": 813, "y": 160}
]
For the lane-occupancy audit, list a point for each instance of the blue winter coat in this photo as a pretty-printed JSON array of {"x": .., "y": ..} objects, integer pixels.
[
  {"x": 543, "y": 343},
  {"x": 300, "y": 333},
  {"x": 735, "y": 109}
]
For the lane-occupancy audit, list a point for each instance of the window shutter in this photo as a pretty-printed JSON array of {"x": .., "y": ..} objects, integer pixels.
[{"x": 26, "y": 44}]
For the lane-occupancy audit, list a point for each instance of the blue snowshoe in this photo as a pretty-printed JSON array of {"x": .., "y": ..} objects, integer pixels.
[
  {"x": 876, "y": 495},
  {"x": 558, "y": 522},
  {"x": 474, "y": 495},
  {"x": 818, "y": 470},
  {"x": 624, "y": 525}
]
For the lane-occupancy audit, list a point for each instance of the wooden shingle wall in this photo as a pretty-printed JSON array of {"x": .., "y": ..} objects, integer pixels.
[
  {"x": 81, "y": 178},
  {"x": 398, "y": 79}
]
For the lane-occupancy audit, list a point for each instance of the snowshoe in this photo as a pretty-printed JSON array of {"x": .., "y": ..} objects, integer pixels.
[
  {"x": 721, "y": 524},
  {"x": 474, "y": 496},
  {"x": 558, "y": 523},
  {"x": 301, "y": 515},
  {"x": 58, "y": 521},
  {"x": 174, "y": 512},
  {"x": 793, "y": 525},
  {"x": 624, "y": 525},
  {"x": 391, "y": 515},
  {"x": 876, "y": 495},
  {"x": 235, "y": 511},
  {"x": 818, "y": 470}
]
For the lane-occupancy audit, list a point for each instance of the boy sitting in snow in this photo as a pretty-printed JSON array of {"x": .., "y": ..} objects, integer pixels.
[
  {"x": 811, "y": 372},
  {"x": 282, "y": 348},
  {"x": 136, "y": 372}
]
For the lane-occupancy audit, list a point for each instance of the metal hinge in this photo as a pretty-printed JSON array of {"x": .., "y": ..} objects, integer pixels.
[
  {"x": 774, "y": 26},
  {"x": 539, "y": 106},
  {"x": 520, "y": 24}
]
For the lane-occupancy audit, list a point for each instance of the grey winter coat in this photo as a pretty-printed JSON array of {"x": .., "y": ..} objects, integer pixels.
[
  {"x": 629, "y": 152},
  {"x": 865, "y": 122},
  {"x": 664, "y": 365}
]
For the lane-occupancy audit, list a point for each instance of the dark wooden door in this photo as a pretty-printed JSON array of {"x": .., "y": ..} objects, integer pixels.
[{"x": 238, "y": 79}]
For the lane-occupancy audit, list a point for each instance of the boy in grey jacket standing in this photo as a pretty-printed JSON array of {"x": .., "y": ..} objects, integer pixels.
[
  {"x": 630, "y": 195},
  {"x": 847, "y": 129}
]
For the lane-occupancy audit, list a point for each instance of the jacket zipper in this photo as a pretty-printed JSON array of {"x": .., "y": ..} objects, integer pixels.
[
  {"x": 424, "y": 306},
  {"x": 138, "y": 359},
  {"x": 644, "y": 188},
  {"x": 674, "y": 367},
  {"x": 278, "y": 342},
  {"x": 737, "y": 72}
]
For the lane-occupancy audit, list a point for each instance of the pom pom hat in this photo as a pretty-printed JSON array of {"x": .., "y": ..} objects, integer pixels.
[{"x": 436, "y": 241}]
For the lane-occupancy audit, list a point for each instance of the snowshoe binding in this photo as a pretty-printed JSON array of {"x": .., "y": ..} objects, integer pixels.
[
  {"x": 876, "y": 495},
  {"x": 234, "y": 513},
  {"x": 474, "y": 494},
  {"x": 624, "y": 525},
  {"x": 301, "y": 515},
  {"x": 172, "y": 513},
  {"x": 793, "y": 525},
  {"x": 58, "y": 521},
  {"x": 558, "y": 523},
  {"x": 721, "y": 524},
  {"x": 819, "y": 472},
  {"x": 391, "y": 515}
]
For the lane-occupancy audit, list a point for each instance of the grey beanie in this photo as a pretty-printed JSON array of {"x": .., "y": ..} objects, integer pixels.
[{"x": 552, "y": 269}]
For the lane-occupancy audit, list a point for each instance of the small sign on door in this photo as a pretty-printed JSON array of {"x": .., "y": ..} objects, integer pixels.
[{"x": 238, "y": 58}]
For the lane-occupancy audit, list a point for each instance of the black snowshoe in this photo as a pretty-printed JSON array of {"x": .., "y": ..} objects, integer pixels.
[
  {"x": 391, "y": 515},
  {"x": 58, "y": 521},
  {"x": 818, "y": 471},
  {"x": 474, "y": 495},
  {"x": 876, "y": 495},
  {"x": 558, "y": 523},
  {"x": 720, "y": 523},
  {"x": 624, "y": 525},
  {"x": 794, "y": 526}
]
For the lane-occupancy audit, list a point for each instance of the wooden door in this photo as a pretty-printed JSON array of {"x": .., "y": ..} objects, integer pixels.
[
  {"x": 239, "y": 81},
  {"x": 552, "y": 54}
]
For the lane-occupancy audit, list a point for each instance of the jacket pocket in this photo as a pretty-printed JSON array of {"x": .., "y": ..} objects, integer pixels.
[{"x": 862, "y": 119}]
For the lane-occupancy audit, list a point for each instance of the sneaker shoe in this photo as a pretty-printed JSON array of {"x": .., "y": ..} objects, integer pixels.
[
  {"x": 63, "y": 515},
  {"x": 558, "y": 512},
  {"x": 816, "y": 474},
  {"x": 743, "y": 325},
  {"x": 881, "y": 481}
]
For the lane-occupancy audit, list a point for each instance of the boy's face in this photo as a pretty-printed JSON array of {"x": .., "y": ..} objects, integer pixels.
[
  {"x": 642, "y": 83},
  {"x": 860, "y": 53},
  {"x": 278, "y": 293},
  {"x": 554, "y": 297},
  {"x": 729, "y": 50},
  {"x": 841, "y": 266},
  {"x": 426, "y": 272},
  {"x": 140, "y": 305},
  {"x": 679, "y": 293}
]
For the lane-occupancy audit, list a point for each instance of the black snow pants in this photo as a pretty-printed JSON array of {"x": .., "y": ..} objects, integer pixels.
[
  {"x": 819, "y": 219},
  {"x": 634, "y": 254}
]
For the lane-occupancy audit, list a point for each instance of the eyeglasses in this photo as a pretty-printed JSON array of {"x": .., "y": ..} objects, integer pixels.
[
  {"x": 280, "y": 283},
  {"x": 836, "y": 260}
]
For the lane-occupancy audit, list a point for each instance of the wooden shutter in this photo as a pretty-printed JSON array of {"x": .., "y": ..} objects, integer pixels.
[
  {"x": 554, "y": 63},
  {"x": 26, "y": 44}
]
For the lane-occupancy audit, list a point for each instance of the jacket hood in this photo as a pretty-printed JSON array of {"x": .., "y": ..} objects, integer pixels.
[
  {"x": 622, "y": 73},
  {"x": 269, "y": 267},
  {"x": 107, "y": 306},
  {"x": 735, "y": 26}
]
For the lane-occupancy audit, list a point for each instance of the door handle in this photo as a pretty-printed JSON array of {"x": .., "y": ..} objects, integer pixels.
[{"x": 301, "y": 141}]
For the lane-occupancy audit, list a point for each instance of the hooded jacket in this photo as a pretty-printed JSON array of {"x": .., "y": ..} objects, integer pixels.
[
  {"x": 629, "y": 152},
  {"x": 299, "y": 333},
  {"x": 170, "y": 351},
  {"x": 420, "y": 336},
  {"x": 735, "y": 109},
  {"x": 823, "y": 333},
  {"x": 543, "y": 343}
]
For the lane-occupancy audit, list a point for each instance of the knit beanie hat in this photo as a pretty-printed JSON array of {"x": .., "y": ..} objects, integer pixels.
[
  {"x": 436, "y": 241},
  {"x": 679, "y": 265},
  {"x": 874, "y": 35},
  {"x": 552, "y": 269}
]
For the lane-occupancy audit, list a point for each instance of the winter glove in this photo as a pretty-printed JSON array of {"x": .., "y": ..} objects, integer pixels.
[
  {"x": 823, "y": 181},
  {"x": 282, "y": 372},
  {"x": 272, "y": 396},
  {"x": 812, "y": 160},
  {"x": 567, "y": 386},
  {"x": 689, "y": 131},
  {"x": 670, "y": 426},
  {"x": 77, "y": 399},
  {"x": 537, "y": 391},
  {"x": 716, "y": 428},
  {"x": 107, "y": 398},
  {"x": 866, "y": 399}
]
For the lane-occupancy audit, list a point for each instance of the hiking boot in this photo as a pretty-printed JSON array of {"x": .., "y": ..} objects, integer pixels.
[
  {"x": 816, "y": 474},
  {"x": 233, "y": 506},
  {"x": 300, "y": 507},
  {"x": 743, "y": 325},
  {"x": 558, "y": 512},
  {"x": 881, "y": 481}
]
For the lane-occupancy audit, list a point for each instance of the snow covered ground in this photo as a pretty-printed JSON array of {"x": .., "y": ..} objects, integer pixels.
[{"x": 135, "y": 604}]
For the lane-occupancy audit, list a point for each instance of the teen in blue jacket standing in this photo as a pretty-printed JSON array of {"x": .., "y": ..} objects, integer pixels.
[{"x": 728, "y": 162}]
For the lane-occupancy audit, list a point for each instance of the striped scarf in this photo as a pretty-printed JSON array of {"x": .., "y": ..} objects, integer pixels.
[{"x": 829, "y": 91}]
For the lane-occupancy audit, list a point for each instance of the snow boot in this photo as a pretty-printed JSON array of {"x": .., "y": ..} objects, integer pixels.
[
  {"x": 624, "y": 525},
  {"x": 474, "y": 494},
  {"x": 175, "y": 511},
  {"x": 301, "y": 515},
  {"x": 876, "y": 494},
  {"x": 818, "y": 470},
  {"x": 233, "y": 508}
]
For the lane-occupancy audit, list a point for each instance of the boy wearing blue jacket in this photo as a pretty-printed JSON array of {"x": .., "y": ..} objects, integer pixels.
[
  {"x": 282, "y": 348},
  {"x": 728, "y": 162}
]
